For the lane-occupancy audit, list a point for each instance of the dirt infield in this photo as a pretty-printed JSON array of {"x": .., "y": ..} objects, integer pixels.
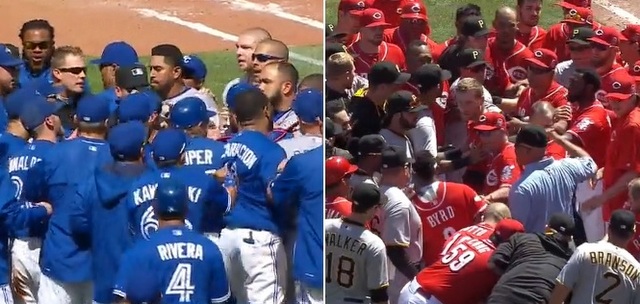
[
  {"x": 104, "y": 21},
  {"x": 606, "y": 16}
]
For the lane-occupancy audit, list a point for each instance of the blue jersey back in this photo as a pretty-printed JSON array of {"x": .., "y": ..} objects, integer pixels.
[
  {"x": 209, "y": 200},
  {"x": 204, "y": 153},
  {"x": 19, "y": 164},
  {"x": 10, "y": 145},
  {"x": 187, "y": 267},
  {"x": 252, "y": 159}
]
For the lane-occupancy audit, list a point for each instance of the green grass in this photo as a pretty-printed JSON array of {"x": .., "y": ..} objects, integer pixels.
[
  {"x": 442, "y": 14},
  {"x": 222, "y": 67}
]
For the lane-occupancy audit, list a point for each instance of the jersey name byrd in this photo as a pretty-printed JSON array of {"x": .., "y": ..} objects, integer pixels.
[
  {"x": 346, "y": 243},
  {"x": 180, "y": 251},
  {"x": 441, "y": 216}
]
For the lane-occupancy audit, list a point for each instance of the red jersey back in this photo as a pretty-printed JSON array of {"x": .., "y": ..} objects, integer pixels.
[
  {"x": 592, "y": 127},
  {"x": 464, "y": 261},
  {"x": 534, "y": 39},
  {"x": 556, "y": 95},
  {"x": 505, "y": 67},
  {"x": 386, "y": 52},
  {"x": 503, "y": 170},
  {"x": 337, "y": 207},
  {"x": 444, "y": 208}
]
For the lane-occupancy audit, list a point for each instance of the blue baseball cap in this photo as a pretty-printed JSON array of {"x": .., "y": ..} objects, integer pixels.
[
  {"x": 35, "y": 111},
  {"x": 194, "y": 67},
  {"x": 7, "y": 59},
  {"x": 127, "y": 139},
  {"x": 93, "y": 108},
  {"x": 15, "y": 101},
  {"x": 119, "y": 52},
  {"x": 189, "y": 112},
  {"x": 309, "y": 105},
  {"x": 136, "y": 106},
  {"x": 168, "y": 144},
  {"x": 235, "y": 90}
]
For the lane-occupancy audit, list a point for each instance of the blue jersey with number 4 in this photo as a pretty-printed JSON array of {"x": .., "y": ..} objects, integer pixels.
[{"x": 186, "y": 266}]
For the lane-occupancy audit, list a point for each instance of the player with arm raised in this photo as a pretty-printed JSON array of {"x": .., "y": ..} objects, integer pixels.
[
  {"x": 444, "y": 207},
  {"x": 463, "y": 259},
  {"x": 188, "y": 267},
  {"x": 356, "y": 258},
  {"x": 603, "y": 272}
]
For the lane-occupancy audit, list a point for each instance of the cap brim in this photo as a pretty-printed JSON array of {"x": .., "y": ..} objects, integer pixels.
[
  {"x": 96, "y": 61},
  {"x": 211, "y": 113},
  {"x": 573, "y": 21},
  {"x": 578, "y": 41},
  {"x": 402, "y": 78},
  {"x": 475, "y": 64},
  {"x": 482, "y": 32},
  {"x": 337, "y": 35},
  {"x": 414, "y": 16},
  {"x": 617, "y": 97},
  {"x": 599, "y": 41},
  {"x": 537, "y": 63},
  {"x": 485, "y": 128},
  {"x": 445, "y": 75},
  {"x": 376, "y": 24},
  {"x": 14, "y": 62},
  {"x": 352, "y": 169},
  {"x": 418, "y": 109}
]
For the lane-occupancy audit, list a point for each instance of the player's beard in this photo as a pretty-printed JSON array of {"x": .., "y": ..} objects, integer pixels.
[{"x": 275, "y": 100}]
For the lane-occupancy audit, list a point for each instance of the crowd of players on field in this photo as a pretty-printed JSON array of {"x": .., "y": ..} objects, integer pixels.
[
  {"x": 499, "y": 166},
  {"x": 236, "y": 179}
]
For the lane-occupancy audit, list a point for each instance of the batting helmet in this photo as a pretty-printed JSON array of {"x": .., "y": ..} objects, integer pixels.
[
  {"x": 189, "y": 112},
  {"x": 336, "y": 168},
  {"x": 171, "y": 197}
]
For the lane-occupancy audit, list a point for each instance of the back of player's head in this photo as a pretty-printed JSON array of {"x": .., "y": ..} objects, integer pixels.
[
  {"x": 312, "y": 81},
  {"x": 467, "y": 10},
  {"x": 250, "y": 105},
  {"x": 287, "y": 72},
  {"x": 496, "y": 212},
  {"x": 171, "y": 53},
  {"x": 171, "y": 199},
  {"x": 424, "y": 165},
  {"x": 365, "y": 196},
  {"x": 622, "y": 224},
  {"x": 126, "y": 140},
  {"x": 189, "y": 112},
  {"x": 590, "y": 77}
]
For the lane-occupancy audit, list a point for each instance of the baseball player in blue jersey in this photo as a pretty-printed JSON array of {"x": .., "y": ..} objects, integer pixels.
[
  {"x": 300, "y": 186},
  {"x": 66, "y": 259},
  {"x": 7, "y": 200},
  {"x": 251, "y": 239},
  {"x": 100, "y": 212},
  {"x": 210, "y": 200},
  {"x": 191, "y": 114},
  {"x": 39, "y": 118},
  {"x": 8, "y": 82},
  {"x": 114, "y": 55},
  {"x": 187, "y": 267},
  {"x": 15, "y": 137},
  {"x": 308, "y": 106}
]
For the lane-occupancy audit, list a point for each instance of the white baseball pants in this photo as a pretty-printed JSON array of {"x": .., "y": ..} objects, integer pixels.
[
  {"x": 64, "y": 293},
  {"x": 25, "y": 275},
  {"x": 307, "y": 295},
  {"x": 594, "y": 226},
  {"x": 411, "y": 294}
]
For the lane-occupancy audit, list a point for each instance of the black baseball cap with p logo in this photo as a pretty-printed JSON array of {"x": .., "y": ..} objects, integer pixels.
[
  {"x": 581, "y": 35},
  {"x": 474, "y": 26},
  {"x": 386, "y": 72},
  {"x": 470, "y": 58}
]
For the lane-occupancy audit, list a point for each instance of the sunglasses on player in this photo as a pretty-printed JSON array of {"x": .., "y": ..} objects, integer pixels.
[
  {"x": 74, "y": 70},
  {"x": 265, "y": 57},
  {"x": 44, "y": 45}
]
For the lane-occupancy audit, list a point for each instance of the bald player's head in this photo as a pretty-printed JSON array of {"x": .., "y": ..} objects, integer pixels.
[
  {"x": 495, "y": 213},
  {"x": 506, "y": 25},
  {"x": 278, "y": 80},
  {"x": 541, "y": 114},
  {"x": 246, "y": 44},
  {"x": 634, "y": 195},
  {"x": 418, "y": 54},
  {"x": 269, "y": 51}
]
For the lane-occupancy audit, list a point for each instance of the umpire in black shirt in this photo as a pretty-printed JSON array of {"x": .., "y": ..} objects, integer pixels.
[
  {"x": 367, "y": 106},
  {"x": 530, "y": 262}
]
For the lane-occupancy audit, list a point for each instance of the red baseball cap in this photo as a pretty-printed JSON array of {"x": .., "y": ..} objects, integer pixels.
[
  {"x": 632, "y": 32},
  {"x": 508, "y": 227},
  {"x": 543, "y": 58},
  {"x": 607, "y": 36},
  {"x": 354, "y": 5},
  {"x": 621, "y": 89},
  {"x": 337, "y": 168},
  {"x": 491, "y": 121},
  {"x": 372, "y": 17},
  {"x": 414, "y": 10},
  {"x": 578, "y": 15},
  {"x": 634, "y": 71}
]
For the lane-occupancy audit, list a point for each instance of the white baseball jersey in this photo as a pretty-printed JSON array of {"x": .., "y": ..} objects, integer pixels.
[
  {"x": 287, "y": 120},
  {"x": 394, "y": 139},
  {"x": 601, "y": 273},
  {"x": 356, "y": 262},
  {"x": 300, "y": 144},
  {"x": 191, "y": 92}
]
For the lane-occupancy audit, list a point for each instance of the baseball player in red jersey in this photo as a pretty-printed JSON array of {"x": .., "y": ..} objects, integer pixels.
[
  {"x": 559, "y": 33},
  {"x": 392, "y": 9},
  {"x": 338, "y": 171},
  {"x": 542, "y": 86},
  {"x": 622, "y": 162},
  {"x": 503, "y": 170},
  {"x": 605, "y": 48},
  {"x": 444, "y": 207},
  {"x": 348, "y": 19},
  {"x": 371, "y": 47},
  {"x": 464, "y": 260},
  {"x": 413, "y": 24},
  {"x": 634, "y": 71},
  {"x": 529, "y": 33},
  {"x": 630, "y": 49},
  {"x": 506, "y": 56}
]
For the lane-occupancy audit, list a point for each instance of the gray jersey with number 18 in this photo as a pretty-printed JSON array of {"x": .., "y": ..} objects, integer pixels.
[{"x": 602, "y": 273}]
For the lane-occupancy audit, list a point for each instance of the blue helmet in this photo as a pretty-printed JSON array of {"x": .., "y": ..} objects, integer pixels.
[
  {"x": 189, "y": 112},
  {"x": 171, "y": 198}
]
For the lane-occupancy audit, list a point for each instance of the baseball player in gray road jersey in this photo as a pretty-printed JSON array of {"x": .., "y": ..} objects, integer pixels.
[
  {"x": 308, "y": 106},
  {"x": 603, "y": 272}
]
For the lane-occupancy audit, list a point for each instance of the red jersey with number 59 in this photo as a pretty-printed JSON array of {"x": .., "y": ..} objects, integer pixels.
[
  {"x": 462, "y": 275},
  {"x": 444, "y": 208}
]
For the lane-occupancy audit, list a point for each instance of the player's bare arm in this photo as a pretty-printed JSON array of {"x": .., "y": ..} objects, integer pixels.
[
  {"x": 509, "y": 105},
  {"x": 559, "y": 293},
  {"x": 618, "y": 187},
  {"x": 572, "y": 149},
  {"x": 501, "y": 195}
]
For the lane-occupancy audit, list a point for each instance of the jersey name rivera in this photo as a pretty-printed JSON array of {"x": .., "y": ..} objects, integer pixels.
[{"x": 180, "y": 251}]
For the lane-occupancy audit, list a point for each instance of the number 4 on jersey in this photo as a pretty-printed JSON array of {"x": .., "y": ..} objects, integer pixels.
[{"x": 180, "y": 283}]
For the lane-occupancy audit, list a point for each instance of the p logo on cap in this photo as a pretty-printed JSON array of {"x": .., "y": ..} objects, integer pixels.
[
  {"x": 475, "y": 54},
  {"x": 481, "y": 23}
]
